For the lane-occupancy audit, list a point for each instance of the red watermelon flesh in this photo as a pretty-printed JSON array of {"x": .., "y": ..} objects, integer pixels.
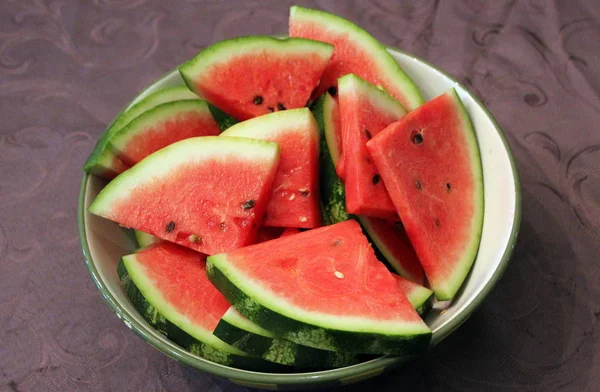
[
  {"x": 365, "y": 111},
  {"x": 335, "y": 263},
  {"x": 179, "y": 275},
  {"x": 268, "y": 234},
  {"x": 391, "y": 240},
  {"x": 250, "y": 76},
  {"x": 289, "y": 231},
  {"x": 295, "y": 199},
  {"x": 207, "y": 193},
  {"x": 163, "y": 125},
  {"x": 356, "y": 52},
  {"x": 430, "y": 163}
]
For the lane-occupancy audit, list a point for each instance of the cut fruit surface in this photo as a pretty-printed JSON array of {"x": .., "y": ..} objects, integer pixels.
[
  {"x": 242, "y": 333},
  {"x": 431, "y": 165},
  {"x": 295, "y": 198},
  {"x": 356, "y": 52},
  {"x": 102, "y": 161},
  {"x": 250, "y": 76},
  {"x": 322, "y": 288},
  {"x": 167, "y": 284},
  {"x": 163, "y": 125},
  {"x": 365, "y": 111},
  {"x": 207, "y": 193}
]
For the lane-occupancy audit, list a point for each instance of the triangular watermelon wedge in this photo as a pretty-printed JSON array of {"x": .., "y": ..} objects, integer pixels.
[
  {"x": 419, "y": 296},
  {"x": 102, "y": 161},
  {"x": 356, "y": 52},
  {"x": 207, "y": 193},
  {"x": 167, "y": 284},
  {"x": 431, "y": 165},
  {"x": 295, "y": 199},
  {"x": 250, "y": 76},
  {"x": 163, "y": 125},
  {"x": 323, "y": 288},
  {"x": 365, "y": 111},
  {"x": 389, "y": 239}
]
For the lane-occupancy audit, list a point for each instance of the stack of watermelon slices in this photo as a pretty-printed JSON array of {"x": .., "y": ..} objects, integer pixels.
[{"x": 228, "y": 182}]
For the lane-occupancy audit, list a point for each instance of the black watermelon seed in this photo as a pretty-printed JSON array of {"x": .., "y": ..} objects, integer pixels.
[
  {"x": 418, "y": 185},
  {"x": 336, "y": 242},
  {"x": 437, "y": 222},
  {"x": 448, "y": 187},
  {"x": 368, "y": 133},
  {"x": 280, "y": 106},
  {"x": 332, "y": 90},
  {"x": 270, "y": 109},
  {"x": 258, "y": 100},
  {"x": 375, "y": 179},
  {"x": 417, "y": 138},
  {"x": 170, "y": 226},
  {"x": 248, "y": 204}
]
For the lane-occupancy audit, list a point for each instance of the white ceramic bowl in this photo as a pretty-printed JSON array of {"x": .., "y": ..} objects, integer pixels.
[{"x": 103, "y": 243}]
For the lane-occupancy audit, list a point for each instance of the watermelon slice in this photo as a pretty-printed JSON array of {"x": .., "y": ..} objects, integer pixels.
[
  {"x": 322, "y": 288},
  {"x": 390, "y": 240},
  {"x": 295, "y": 199},
  {"x": 250, "y": 76},
  {"x": 163, "y": 125},
  {"x": 247, "y": 336},
  {"x": 268, "y": 234},
  {"x": 144, "y": 239},
  {"x": 431, "y": 165},
  {"x": 102, "y": 161},
  {"x": 207, "y": 193},
  {"x": 420, "y": 297},
  {"x": 365, "y": 111},
  {"x": 289, "y": 231},
  {"x": 356, "y": 52},
  {"x": 168, "y": 286}
]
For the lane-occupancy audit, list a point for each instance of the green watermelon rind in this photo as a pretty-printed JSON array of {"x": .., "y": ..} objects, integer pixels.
[
  {"x": 378, "y": 52},
  {"x": 452, "y": 285},
  {"x": 242, "y": 333},
  {"x": 318, "y": 330},
  {"x": 102, "y": 156},
  {"x": 144, "y": 239},
  {"x": 183, "y": 153},
  {"x": 351, "y": 83},
  {"x": 119, "y": 141},
  {"x": 209, "y": 347},
  {"x": 222, "y": 51}
]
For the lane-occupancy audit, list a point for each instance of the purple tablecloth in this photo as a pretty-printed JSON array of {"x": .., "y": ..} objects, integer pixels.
[{"x": 67, "y": 67}]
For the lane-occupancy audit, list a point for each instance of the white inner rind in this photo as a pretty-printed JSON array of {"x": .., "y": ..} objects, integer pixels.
[
  {"x": 224, "y": 51},
  {"x": 329, "y": 104},
  {"x": 236, "y": 319},
  {"x": 153, "y": 295},
  {"x": 271, "y": 125},
  {"x": 280, "y": 305},
  {"x": 193, "y": 151},
  {"x": 355, "y": 85}
]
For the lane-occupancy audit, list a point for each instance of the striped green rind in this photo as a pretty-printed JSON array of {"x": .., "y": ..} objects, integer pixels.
[
  {"x": 144, "y": 239},
  {"x": 340, "y": 333},
  {"x": 101, "y": 158},
  {"x": 223, "y": 51},
  {"x": 452, "y": 284},
  {"x": 214, "y": 350},
  {"x": 242, "y": 333},
  {"x": 422, "y": 300},
  {"x": 119, "y": 141},
  {"x": 388, "y": 66},
  {"x": 184, "y": 153},
  {"x": 224, "y": 120}
]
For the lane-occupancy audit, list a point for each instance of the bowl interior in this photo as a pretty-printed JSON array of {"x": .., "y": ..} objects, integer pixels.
[{"x": 103, "y": 243}]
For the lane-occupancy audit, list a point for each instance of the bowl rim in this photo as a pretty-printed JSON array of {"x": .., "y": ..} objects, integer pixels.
[{"x": 325, "y": 376}]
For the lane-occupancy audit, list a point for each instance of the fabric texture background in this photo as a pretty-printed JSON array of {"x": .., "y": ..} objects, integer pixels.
[{"x": 67, "y": 67}]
